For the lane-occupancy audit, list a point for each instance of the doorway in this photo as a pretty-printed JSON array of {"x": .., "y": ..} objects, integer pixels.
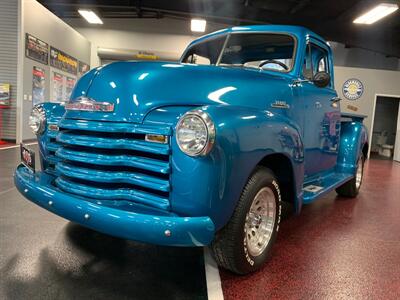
[{"x": 385, "y": 137}]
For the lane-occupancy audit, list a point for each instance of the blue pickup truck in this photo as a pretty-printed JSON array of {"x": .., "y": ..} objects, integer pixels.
[{"x": 201, "y": 152}]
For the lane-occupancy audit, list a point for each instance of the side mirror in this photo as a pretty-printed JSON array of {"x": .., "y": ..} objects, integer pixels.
[{"x": 322, "y": 79}]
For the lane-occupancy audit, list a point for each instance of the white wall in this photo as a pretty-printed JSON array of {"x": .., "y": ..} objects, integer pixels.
[
  {"x": 361, "y": 58},
  {"x": 166, "y": 35},
  {"x": 41, "y": 23}
]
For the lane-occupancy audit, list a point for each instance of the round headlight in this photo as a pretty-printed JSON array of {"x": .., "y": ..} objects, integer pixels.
[
  {"x": 37, "y": 120},
  {"x": 195, "y": 133}
]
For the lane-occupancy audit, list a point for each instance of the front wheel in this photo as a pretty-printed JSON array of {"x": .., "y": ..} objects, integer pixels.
[
  {"x": 245, "y": 243},
  {"x": 352, "y": 187}
]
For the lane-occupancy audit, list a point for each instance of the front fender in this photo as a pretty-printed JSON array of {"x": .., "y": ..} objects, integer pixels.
[
  {"x": 212, "y": 185},
  {"x": 54, "y": 112},
  {"x": 353, "y": 137}
]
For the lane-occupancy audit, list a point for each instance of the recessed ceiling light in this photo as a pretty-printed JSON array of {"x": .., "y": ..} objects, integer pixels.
[
  {"x": 90, "y": 16},
  {"x": 375, "y": 14},
  {"x": 198, "y": 25}
]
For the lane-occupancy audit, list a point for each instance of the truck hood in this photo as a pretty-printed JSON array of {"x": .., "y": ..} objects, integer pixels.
[{"x": 136, "y": 88}]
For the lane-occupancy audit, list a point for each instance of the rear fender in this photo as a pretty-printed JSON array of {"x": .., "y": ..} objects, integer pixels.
[{"x": 353, "y": 137}]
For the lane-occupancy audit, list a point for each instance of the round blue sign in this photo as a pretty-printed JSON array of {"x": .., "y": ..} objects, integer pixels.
[{"x": 352, "y": 89}]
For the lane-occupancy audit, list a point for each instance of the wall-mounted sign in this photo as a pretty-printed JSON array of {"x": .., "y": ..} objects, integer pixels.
[
  {"x": 63, "y": 61},
  {"x": 352, "y": 107},
  {"x": 58, "y": 87},
  {"x": 4, "y": 94},
  {"x": 38, "y": 84},
  {"x": 352, "y": 89},
  {"x": 69, "y": 86},
  {"x": 36, "y": 49},
  {"x": 83, "y": 68},
  {"x": 146, "y": 55}
]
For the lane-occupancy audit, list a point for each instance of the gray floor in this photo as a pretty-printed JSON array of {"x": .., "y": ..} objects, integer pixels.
[{"x": 43, "y": 256}]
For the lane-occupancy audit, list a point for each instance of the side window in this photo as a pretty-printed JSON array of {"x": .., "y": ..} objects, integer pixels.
[
  {"x": 307, "y": 64},
  {"x": 315, "y": 60}
]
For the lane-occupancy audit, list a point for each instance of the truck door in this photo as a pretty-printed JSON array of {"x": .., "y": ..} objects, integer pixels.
[{"x": 321, "y": 126}]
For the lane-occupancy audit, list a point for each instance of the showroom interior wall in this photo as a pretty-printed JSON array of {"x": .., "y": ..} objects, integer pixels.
[
  {"x": 8, "y": 64},
  {"x": 361, "y": 58},
  {"x": 42, "y": 24},
  {"x": 375, "y": 82},
  {"x": 154, "y": 35}
]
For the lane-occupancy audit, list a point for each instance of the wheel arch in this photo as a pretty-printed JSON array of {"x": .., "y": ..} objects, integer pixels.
[{"x": 281, "y": 165}]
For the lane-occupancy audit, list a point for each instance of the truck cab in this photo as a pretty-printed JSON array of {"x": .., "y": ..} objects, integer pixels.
[{"x": 201, "y": 152}]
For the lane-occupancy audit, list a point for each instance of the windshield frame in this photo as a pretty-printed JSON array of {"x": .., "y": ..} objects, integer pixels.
[{"x": 227, "y": 37}]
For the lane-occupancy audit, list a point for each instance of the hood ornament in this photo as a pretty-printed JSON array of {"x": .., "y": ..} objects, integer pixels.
[{"x": 87, "y": 104}]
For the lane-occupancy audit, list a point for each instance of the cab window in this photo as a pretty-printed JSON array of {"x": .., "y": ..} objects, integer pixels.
[{"x": 315, "y": 60}]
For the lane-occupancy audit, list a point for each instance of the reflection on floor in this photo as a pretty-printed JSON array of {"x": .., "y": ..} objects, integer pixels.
[{"x": 4, "y": 145}]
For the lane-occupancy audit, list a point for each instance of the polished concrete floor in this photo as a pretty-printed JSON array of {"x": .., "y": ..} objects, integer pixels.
[{"x": 335, "y": 249}]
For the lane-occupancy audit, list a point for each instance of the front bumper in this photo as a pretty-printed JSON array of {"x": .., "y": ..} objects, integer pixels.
[{"x": 184, "y": 231}]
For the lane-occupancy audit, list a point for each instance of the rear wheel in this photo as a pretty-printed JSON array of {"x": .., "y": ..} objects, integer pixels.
[
  {"x": 352, "y": 187},
  {"x": 245, "y": 243}
]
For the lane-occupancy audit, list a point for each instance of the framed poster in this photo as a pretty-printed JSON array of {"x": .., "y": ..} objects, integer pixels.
[
  {"x": 58, "y": 87},
  {"x": 69, "y": 86},
  {"x": 4, "y": 94},
  {"x": 38, "y": 85},
  {"x": 63, "y": 61},
  {"x": 83, "y": 68},
  {"x": 36, "y": 49}
]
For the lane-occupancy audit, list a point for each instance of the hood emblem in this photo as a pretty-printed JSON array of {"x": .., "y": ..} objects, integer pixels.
[{"x": 88, "y": 104}]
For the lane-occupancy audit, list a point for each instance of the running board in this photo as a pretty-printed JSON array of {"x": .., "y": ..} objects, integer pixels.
[{"x": 323, "y": 185}]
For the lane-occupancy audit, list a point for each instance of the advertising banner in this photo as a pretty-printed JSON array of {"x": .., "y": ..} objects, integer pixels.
[
  {"x": 83, "y": 68},
  {"x": 4, "y": 94},
  {"x": 63, "y": 61},
  {"x": 58, "y": 87},
  {"x": 70, "y": 83},
  {"x": 36, "y": 49},
  {"x": 38, "y": 85}
]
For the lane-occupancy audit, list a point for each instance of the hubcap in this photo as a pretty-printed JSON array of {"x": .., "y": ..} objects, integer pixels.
[
  {"x": 260, "y": 221},
  {"x": 359, "y": 173}
]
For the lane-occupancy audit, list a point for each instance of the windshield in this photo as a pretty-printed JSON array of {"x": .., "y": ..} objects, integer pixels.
[{"x": 267, "y": 51}]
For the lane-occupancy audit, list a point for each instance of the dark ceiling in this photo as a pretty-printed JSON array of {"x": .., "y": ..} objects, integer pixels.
[{"x": 333, "y": 19}]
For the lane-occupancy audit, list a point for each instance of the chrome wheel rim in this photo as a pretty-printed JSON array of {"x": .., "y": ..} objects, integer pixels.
[
  {"x": 359, "y": 173},
  {"x": 260, "y": 221}
]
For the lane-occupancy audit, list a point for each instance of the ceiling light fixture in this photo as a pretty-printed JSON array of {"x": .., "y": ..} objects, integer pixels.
[
  {"x": 90, "y": 16},
  {"x": 198, "y": 25},
  {"x": 375, "y": 14}
]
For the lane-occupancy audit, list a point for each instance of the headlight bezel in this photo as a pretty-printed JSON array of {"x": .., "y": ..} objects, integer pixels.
[
  {"x": 210, "y": 129},
  {"x": 40, "y": 114}
]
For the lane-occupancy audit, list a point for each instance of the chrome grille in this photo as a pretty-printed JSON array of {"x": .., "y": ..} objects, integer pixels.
[{"x": 112, "y": 161}]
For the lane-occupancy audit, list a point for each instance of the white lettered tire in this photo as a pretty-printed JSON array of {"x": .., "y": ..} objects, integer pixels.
[{"x": 245, "y": 243}]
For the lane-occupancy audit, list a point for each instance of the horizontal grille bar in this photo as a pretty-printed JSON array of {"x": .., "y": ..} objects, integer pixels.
[
  {"x": 114, "y": 160},
  {"x": 112, "y": 143},
  {"x": 138, "y": 179},
  {"x": 113, "y": 127},
  {"x": 52, "y": 146},
  {"x": 110, "y": 194}
]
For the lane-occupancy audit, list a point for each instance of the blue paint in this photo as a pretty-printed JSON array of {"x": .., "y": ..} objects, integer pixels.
[{"x": 100, "y": 163}]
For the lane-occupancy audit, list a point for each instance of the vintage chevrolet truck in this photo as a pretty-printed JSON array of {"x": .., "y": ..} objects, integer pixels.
[{"x": 203, "y": 151}]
